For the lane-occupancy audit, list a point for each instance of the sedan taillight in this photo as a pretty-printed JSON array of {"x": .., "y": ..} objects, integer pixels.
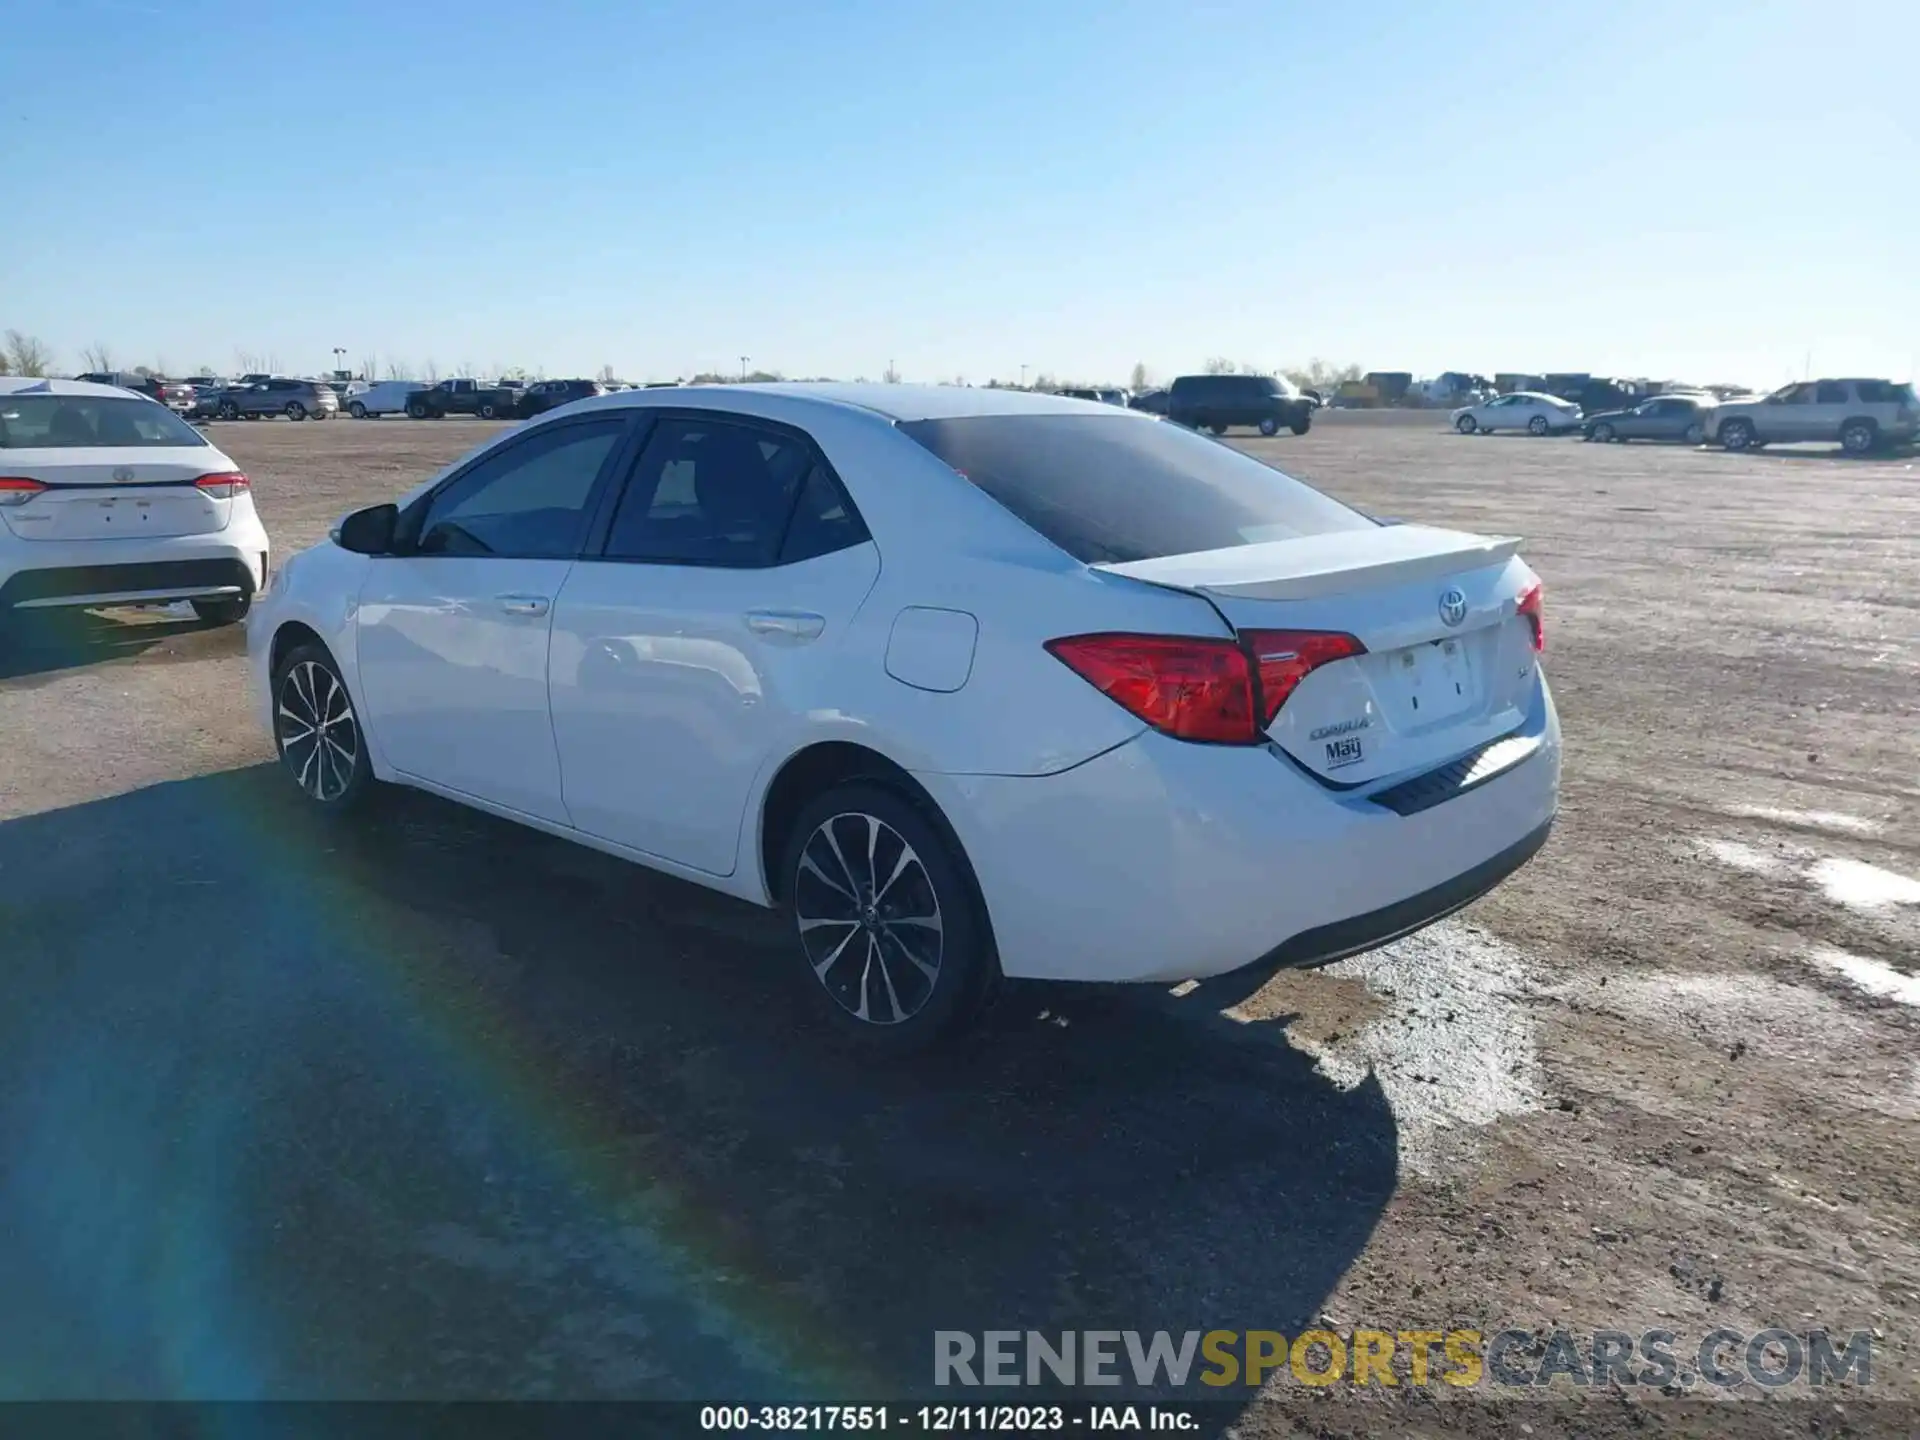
[
  {"x": 1532, "y": 605},
  {"x": 17, "y": 490},
  {"x": 223, "y": 485}
]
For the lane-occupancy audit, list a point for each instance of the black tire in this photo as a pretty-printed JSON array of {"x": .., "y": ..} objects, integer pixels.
[
  {"x": 1538, "y": 425},
  {"x": 357, "y": 410},
  {"x": 1695, "y": 433},
  {"x": 295, "y": 410},
  {"x": 1859, "y": 437},
  {"x": 843, "y": 935},
  {"x": 1466, "y": 425},
  {"x": 1604, "y": 433},
  {"x": 487, "y": 412},
  {"x": 416, "y": 409},
  {"x": 228, "y": 410},
  {"x": 1301, "y": 424},
  {"x": 1269, "y": 426},
  {"x": 306, "y": 684},
  {"x": 1737, "y": 434},
  {"x": 1218, "y": 429},
  {"x": 222, "y": 612}
]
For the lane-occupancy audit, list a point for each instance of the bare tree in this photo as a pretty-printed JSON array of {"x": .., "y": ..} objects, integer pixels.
[
  {"x": 97, "y": 356},
  {"x": 398, "y": 369},
  {"x": 468, "y": 370},
  {"x": 1141, "y": 378},
  {"x": 430, "y": 372},
  {"x": 1317, "y": 374},
  {"x": 252, "y": 362},
  {"x": 605, "y": 374},
  {"x": 370, "y": 365},
  {"x": 25, "y": 355},
  {"x": 890, "y": 375}
]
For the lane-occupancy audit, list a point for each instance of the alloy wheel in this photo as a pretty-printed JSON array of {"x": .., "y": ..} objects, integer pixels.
[
  {"x": 869, "y": 918},
  {"x": 319, "y": 739}
]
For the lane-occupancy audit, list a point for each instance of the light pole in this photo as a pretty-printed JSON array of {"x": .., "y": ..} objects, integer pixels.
[
  {"x": 338, "y": 351},
  {"x": 743, "y": 368},
  {"x": 1023, "y": 374}
]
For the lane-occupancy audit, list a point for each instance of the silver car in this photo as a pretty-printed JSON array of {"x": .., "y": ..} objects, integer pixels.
[{"x": 1858, "y": 415}]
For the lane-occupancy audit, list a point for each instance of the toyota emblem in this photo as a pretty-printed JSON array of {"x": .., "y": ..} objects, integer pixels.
[{"x": 1453, "y": 605}]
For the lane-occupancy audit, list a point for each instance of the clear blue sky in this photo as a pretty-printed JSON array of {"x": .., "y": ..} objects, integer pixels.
[{"x": 1627, "y": 188}]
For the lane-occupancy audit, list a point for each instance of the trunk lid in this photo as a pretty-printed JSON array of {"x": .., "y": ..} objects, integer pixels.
[
  {"x": 1448, "y": 660},
  {"x": 114, "y": 493}
]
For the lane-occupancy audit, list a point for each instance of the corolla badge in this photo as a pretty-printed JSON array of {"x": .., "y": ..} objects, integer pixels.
[
  {"x": 1453, "y": 605},
  {"x": 122, "y": 475}
]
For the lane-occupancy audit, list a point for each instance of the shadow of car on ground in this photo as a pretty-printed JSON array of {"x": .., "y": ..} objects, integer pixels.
[{"x": 428, "y": 1105}]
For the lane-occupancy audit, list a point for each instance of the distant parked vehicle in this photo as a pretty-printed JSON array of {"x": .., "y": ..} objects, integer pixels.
[
  {"x": 384, "y": 397},
  {"x": 176, "y": 395},
  {"x": 545, "y": 395},
  {"x": 1861, "y": 415},
  {"x": 1217, "y": 402},
  {"x": 1154, "y": 402},
  {"x": 295, "y": 399},
  {"x": 1526, "y": 410},
  {"x": 1114, "y": 397},
  {"x": 1079, "y": 393},
  {"x": 461, "y": 397},
  {"x": 1665, "y": 417}
]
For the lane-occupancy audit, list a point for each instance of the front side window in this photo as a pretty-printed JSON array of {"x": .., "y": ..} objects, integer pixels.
[
  {"x": 710, "y": 492},
  {"x": 527, "y": 500},
  {"x": 67, "y": 422},
  {"x": 1110, "y": 489},
  {"x": 1792, "y": 395}
]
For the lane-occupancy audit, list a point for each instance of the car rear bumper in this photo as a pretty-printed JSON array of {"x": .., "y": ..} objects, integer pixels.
[
  {"x": 82, "y": 573},
  {"x": 1164, "y": 861}
]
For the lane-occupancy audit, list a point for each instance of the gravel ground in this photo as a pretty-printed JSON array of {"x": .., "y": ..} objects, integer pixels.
[{"x": 437, "y": 1107}]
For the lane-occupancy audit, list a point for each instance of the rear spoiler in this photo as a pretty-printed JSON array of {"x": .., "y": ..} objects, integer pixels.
[{"x": 1315, "y": 565}]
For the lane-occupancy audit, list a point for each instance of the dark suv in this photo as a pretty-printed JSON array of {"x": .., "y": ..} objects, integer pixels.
[
  {"x": 1213, "y": 402},
  {"x": 545, "y": 395}
]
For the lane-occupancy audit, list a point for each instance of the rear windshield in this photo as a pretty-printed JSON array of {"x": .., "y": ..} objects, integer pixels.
[
  {"x": 1115, "y": 489},
  {"x": 71, "y": 422}
]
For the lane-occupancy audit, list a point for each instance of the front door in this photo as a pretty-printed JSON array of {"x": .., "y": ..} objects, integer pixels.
[
  {"x": 453, "y": 634},
  {"x": 682, "y": 657}
]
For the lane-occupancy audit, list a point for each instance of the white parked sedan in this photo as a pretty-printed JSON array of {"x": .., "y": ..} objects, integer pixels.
[
  {"x": 109, "y": 499},
  {"x": 1522, "y": 410},
  {"x": 967, "y": 683}
]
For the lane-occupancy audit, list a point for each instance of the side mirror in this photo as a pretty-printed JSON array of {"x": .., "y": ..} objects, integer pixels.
[{"x": 369, "y": 531}]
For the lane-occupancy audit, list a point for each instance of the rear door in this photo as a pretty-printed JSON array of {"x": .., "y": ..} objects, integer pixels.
[{"x": 732, "y": 568}]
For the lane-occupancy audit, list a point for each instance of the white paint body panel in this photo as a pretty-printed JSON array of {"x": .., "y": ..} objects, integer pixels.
[{"x": 1105, "y": 850}]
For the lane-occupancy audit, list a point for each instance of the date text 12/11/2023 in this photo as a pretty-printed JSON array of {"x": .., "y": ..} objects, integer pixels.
[{"x": 947, "y": 1419}]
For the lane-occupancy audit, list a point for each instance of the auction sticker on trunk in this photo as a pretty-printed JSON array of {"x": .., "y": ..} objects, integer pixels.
[{"x": 1346, "y": 751}]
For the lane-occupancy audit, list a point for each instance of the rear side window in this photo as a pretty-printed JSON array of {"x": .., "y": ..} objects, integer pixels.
[
  {"x": 1832, "y": 392},
  {"x": 710, "y": 493},
  {"x": 1883, "y": 392},
  {"x": 67, "y": 422},
  {"x": 1114, "y": 489}
]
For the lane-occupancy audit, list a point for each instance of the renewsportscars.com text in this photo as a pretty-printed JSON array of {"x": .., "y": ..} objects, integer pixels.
[{"x": 1721, "y": 1359}]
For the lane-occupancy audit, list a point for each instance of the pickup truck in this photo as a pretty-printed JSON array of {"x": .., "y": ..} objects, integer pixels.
[{"x": 462, "y": 397}]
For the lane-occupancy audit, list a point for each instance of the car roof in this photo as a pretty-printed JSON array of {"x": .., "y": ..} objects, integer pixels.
[
  {"x": 38, "y": 385},
  {"x": 894, "y": 402}
]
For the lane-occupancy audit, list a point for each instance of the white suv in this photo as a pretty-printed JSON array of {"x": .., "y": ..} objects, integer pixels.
[{"x": 108, "y": 498}]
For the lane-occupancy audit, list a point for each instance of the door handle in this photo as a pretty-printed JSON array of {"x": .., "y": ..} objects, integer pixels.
[
  {"x": 523, "y": 604},
  {"x": 794, "y": 624}
]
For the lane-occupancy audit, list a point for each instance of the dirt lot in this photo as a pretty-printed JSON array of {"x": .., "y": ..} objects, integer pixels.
[{"x": 443, "y": 1108}]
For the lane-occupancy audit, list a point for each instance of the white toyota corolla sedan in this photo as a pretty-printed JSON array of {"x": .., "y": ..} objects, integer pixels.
[
  {"x": 967, "y": 683},
  {"x": 110, "y": 499},
  {"x": 1522, "y": 410}
]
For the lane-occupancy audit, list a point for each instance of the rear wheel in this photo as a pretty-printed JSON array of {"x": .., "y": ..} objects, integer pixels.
[
  {"x": 1695, "y": 433},
  {"x": 1858, "y": 437},
  {"x": 886, "y": 918},
  {"x": 1538, "y": 425},
  {"x": 1218, "y": 429},
  {"x": 357, "y": 410},
  {"x": 295, "y": 410},
  {"x": 1269, "y": 426},
  {"x": 222, "y": 612},
  {"x": 316, "y": 731}
]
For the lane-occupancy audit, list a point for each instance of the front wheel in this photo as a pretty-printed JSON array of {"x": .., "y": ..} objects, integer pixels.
[
  {"x": 1603, "y": 433},
  {"x": 416, "y": 410},
  {"x": 1538, "y": 425},
  {"x": 221, "y": 612},
  {"x": 886, "y": 918},
  {"x": 1737, "y": 435},
  {"x": 487, "y": 412},
  {"x": 228, "y": 410},
  {"x": 316, "y": 732},
  {"x": 357, "y": 410},
  {"x": 1466, "y": 425},
  {"x": 1301, "y": 424}
]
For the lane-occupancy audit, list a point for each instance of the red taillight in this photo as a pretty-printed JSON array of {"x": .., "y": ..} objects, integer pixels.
[
  {"x": 222, "y": 486},
  {"x": 1286, "y": 657},
  {"x": 1531, "y": 605},
  {"x": 17, "y": 490},
  {"x": 1191, "y": 689}
]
